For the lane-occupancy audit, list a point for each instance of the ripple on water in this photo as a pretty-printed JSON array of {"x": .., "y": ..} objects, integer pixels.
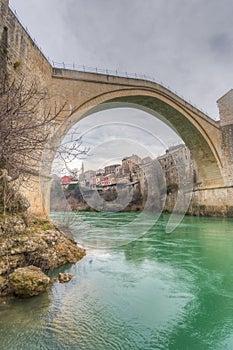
[{"x": 168, "y": 292}]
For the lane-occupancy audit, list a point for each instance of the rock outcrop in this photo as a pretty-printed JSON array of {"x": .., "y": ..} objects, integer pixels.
[
  {"x": 28, "y": 281},
  {"x": 77, "y": 201},
  {"x": 65, "y": 277},
  {"x": 32, "y": 242}
]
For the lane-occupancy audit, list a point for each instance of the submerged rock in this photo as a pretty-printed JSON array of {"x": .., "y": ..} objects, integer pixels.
[
  {"x": 28, "y": 281},
  {"x": 65, "y": 277}
]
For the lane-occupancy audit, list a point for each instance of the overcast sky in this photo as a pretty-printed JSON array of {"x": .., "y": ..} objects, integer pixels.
[{"x": 187, "y": 44}]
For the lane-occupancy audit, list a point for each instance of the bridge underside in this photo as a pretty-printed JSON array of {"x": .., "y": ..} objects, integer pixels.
[
  {"x": 200, "y": 134},
  {"x": 201, "y": 147}
]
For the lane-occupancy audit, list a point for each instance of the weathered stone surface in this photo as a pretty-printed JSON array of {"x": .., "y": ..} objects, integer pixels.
[
  {"x": 9, "y": 263},
  {"x": 41, "y": 245},
  {"x": 19, "y": 245},
  {"x": 47, "y": 250},
  {"x": 59, "y": 250},
  {"x": 5, "y": 288},
  {"x": 65, "y": 277},
  {"x": 28, "y": 281},
  {"x": 17, "y": 203},
  {"x": 13, "y": 224}
]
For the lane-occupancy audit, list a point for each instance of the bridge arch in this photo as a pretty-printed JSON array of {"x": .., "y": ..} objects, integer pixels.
[{"x": 200, "y": 133}]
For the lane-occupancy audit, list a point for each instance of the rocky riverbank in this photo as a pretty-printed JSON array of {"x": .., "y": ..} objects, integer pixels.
[
  {"x": 78, "y": 200},
  {"x": 26, "y": 241}
]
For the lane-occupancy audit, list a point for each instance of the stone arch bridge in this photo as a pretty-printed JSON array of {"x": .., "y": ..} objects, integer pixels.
[
  {"x": 87, "y": 93},
  {"x": 210, "y": 142}
]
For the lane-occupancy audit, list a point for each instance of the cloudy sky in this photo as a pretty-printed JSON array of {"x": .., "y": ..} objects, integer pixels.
[{"x": 188, "y": 45}]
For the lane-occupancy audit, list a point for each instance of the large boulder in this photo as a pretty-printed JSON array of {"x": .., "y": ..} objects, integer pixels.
[{"x": 28, "y": 281}]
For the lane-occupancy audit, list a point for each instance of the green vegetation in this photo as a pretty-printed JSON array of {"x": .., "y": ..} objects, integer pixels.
[{"x": 17, "y": 64}]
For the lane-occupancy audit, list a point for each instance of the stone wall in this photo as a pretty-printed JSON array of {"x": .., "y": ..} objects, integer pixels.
[
  {"x": 21, "y": 59},
  {"x": 4, "y": 4},
  {"x": 3, "y": 36},
  {"x": 225, "y": 105},
  {"x": 212, "y": 202},
  {"x": 23, "y": 56}
]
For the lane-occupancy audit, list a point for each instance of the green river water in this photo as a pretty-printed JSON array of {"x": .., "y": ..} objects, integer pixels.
[{"x": 161, "y": 291}]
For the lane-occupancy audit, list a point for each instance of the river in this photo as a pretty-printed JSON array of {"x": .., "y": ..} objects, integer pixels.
[{"x": 160, "y": 291}]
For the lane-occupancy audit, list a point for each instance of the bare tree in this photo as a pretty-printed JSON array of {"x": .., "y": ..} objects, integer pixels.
[
  {"x": 70, "y": 150},
  {"x": 25, "y": 122},
  {"x": 27, "y": 119}
]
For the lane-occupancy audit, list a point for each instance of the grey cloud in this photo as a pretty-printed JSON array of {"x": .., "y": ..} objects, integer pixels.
[
  {"x": 114, "y": 134},
  {"x": 222, "y": 44},
  {"x": 186, "y": 44}
]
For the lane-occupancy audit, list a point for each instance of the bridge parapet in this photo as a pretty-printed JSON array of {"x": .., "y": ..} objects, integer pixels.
[{"x": 81, "y": 72}]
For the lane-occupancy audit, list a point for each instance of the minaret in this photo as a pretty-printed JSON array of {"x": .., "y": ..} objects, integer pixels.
[{"x": 82, "y": 168}]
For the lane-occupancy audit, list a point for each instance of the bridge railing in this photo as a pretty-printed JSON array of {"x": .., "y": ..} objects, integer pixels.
[
  {"x": 122, "y": 74},
  {"x": 83, "y": 68}
]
